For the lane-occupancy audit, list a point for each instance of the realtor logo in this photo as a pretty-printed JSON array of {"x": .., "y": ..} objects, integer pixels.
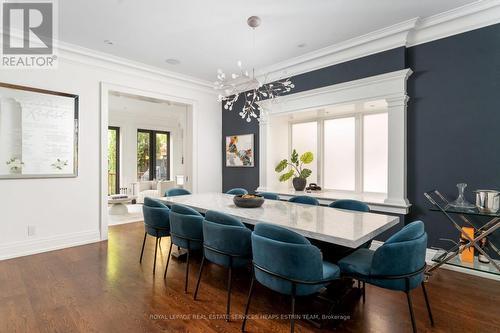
[{"x": 28, "y": 34}]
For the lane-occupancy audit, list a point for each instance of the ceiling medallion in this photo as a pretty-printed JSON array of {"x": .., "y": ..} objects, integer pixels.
[{"x": 253, "y": 90}]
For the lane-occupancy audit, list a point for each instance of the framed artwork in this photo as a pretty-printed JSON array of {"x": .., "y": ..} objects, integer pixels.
[
  {"x": 240, "y": 151},
  {"x": 38, "y": 133}
]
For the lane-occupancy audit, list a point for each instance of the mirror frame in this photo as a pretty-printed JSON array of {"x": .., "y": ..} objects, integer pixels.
[{"x": 75, "y": 143}]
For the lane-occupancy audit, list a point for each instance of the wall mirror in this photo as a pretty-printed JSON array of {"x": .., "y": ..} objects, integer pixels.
[{"x": 38, "y": 133}]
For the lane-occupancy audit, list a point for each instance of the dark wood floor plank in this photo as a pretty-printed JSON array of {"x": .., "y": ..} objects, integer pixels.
[{"x": 102, "y": 287}]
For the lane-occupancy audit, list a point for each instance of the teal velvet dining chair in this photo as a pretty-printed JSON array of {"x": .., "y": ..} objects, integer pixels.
[
  {"x": 173, "y": 192},
  {"x": 348, "y": 204},
  {"x": 304, "y": 199},
  {"x": 226, "y": 242},
  {"x": 237, "y": 191},
  {"x": 398, "y": 264},
  {"x": 186, "y": 232},
  {"x": 269, "y": 195},
  {"x": 156, "y": 223},
  {"x": 286, "y": 262}
]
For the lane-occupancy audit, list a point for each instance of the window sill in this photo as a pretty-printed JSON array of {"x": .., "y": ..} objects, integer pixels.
[{"x": 376, "y": 201}]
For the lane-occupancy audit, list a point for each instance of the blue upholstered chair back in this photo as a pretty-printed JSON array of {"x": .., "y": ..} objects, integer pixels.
[
  {"x": 350, "y": 205},
  {"x": 402, "y": 253},
  {"x": 186, "y": 223},
  {"x": 237, "y": 191},
  {"x": 288, "y": 254},
  {"x": 269, "y": 195},
  {"x": 156, "y": 218},
  {"x": 226, "y": 234},
  {"x": 304, "y": 199},
  {"x": 173, "y": 192}
]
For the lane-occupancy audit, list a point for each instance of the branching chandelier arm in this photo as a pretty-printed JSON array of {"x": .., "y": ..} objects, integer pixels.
[{"x": 251, "y": 88}]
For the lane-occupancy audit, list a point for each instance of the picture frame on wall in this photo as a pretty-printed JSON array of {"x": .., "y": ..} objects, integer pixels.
[
  {"x": 38, "y": 133},
  {"x": 240, "y": 151}
]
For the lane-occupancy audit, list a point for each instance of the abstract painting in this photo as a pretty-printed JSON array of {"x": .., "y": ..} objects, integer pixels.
[{"x": 239, "y": 151}]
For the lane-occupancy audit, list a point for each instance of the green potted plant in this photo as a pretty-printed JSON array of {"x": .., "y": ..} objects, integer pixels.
[{"x": 297, "y": 171}]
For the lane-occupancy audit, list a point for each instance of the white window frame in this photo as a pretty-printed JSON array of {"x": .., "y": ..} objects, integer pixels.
[{"x": 359, "y": 147}]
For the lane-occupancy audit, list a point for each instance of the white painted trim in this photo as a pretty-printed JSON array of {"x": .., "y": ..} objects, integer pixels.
[
  {"x": 104, "y": 116},
  {"x": 430, "y": 253},
  {"x": 412, "y": 32},
  {"x": 45, "y": 244},
  {"x": 374, "y": 42},
  {"x": 469, "y": 17},
  {"x": 381, "y": 207},
  {"x": 107, "y": 61},
  {"x": 81, "y": 55},
  {"x": 390, "y": 87}
]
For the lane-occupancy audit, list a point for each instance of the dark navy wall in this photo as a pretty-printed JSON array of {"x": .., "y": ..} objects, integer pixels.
[
  {"x": 453, "y": 121},
  {"x": 453, "y": 117}
]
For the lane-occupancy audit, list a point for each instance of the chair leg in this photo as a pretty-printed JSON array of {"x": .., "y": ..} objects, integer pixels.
[
  {"x": 228, "y": 306},
  {"x": 250, "y": 292},
  {"x": 292, "y": 320},
  {"x": 363, "y": 291},
  {"x": 412, "y": 315},
  {"x": 199, "y": 277},
  {"x": 156, "y": 250},
  {"x": 187, "y": 273},
  {"x": 143, "y": 243},
  {"x": 427, "y": 304},
  {"x": 168, "y": 260}
]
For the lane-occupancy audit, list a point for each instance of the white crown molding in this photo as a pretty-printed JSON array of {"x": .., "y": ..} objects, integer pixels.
[
  {"x": 469, "y": 17},
  {"x": 91, "y": 57},
  {"x": 415, "y": 31},
  {"x": 81, "y": 55},
  {"x": 371, "y": 43}
]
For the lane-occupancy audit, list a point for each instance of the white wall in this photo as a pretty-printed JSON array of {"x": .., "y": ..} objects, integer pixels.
[
  {"x": 66, "y": 211},
  {"x": 132, "y": 114}
]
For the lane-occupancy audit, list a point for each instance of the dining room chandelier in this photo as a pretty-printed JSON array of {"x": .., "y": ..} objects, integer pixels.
[{"x": 231, "y": 87}]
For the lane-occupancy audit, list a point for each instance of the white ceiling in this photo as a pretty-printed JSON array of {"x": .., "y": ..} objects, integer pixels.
[{"x": 205, "y": 35}]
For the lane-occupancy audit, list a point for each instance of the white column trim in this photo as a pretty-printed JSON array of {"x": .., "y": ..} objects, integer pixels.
[{"x": 397, "y": 187}]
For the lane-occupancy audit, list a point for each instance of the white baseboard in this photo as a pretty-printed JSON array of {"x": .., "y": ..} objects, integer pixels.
[
  {"x": 430, "y": 253},
  {"x": 39, "y": 245}
]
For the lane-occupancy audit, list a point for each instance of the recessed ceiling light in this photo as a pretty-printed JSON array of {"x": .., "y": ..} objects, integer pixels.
[
  {"x": 173, "y": 61},
  {"x": 301, "y": 45},
  {"x": 109, "y": 42}
]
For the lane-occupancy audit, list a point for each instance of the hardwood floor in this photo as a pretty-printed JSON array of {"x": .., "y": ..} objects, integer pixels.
[{"x": 102, "y": 287}]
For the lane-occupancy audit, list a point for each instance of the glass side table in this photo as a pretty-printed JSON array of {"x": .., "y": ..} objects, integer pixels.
[{"x": 451, "y": 256}]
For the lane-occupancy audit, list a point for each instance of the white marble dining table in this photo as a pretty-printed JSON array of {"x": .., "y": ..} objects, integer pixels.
[{"x": 337, "y": 226}]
